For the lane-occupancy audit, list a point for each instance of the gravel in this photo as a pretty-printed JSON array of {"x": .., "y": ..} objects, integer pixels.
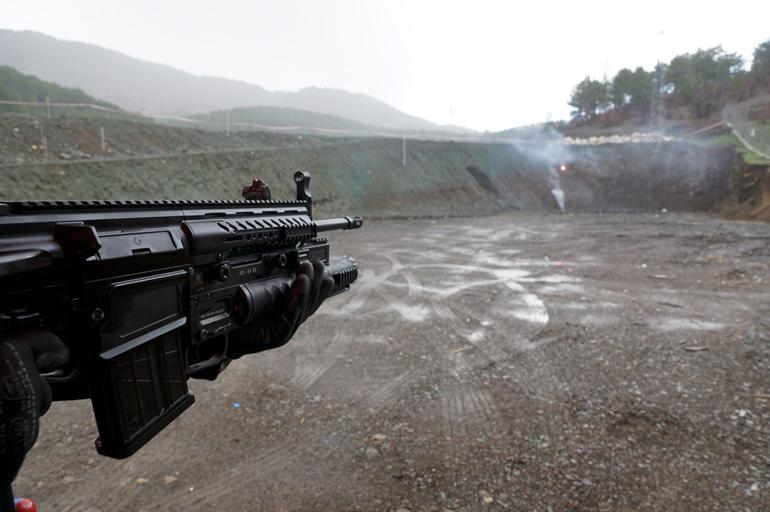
[{"x": 522, "y": 362}]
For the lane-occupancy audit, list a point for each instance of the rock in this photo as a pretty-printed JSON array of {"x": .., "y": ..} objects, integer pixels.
[
  {"x": 142, "y": 481},
  {"x": 68, "y": 479},
  {"x": 371, "y": 453},
  {"x": 379, "y": 438},
  {"x": 169, "y": 479}
]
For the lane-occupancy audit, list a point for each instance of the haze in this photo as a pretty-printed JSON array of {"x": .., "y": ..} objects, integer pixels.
[{"x": 482, "y": 64}]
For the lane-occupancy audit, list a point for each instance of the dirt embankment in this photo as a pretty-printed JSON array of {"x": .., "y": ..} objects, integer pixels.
[
  {"x": 749, "y": 192},
  {"x": 369, "y": 176},
  {"x": 642, "y": 177}
]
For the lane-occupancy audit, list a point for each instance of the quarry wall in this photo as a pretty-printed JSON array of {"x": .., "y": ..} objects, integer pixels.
[{"x": 368, "y": 176}]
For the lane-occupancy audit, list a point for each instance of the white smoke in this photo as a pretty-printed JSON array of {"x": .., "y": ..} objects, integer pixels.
[
  {"x": 558, "y": 194},
  {"x": 548, "y": 149}
]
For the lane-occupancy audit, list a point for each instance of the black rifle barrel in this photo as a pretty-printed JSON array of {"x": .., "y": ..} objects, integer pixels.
[{"x": 339, "y": 223}]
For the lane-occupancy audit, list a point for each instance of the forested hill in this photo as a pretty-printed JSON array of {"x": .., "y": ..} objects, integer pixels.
[
  {"x": 15, "y": 86},
  {"x": 691, "y": 86},
  {"x": 141, "y": 86}
]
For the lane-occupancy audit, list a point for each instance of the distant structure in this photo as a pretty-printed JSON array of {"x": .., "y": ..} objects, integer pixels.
[{"x": 657, "y": 102}]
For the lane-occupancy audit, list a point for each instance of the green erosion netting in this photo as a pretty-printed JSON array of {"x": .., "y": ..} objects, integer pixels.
[{"x": 750, "y": 121}]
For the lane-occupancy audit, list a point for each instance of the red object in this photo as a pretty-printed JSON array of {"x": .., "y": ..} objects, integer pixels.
[
  {"x": 257, "y": 190},
  {"x": 25, "y": 505}
]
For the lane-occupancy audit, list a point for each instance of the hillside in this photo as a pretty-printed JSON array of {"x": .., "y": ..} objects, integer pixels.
[
  {"x": 15, "y": 86},
  {"x": 357, "y": 107},
  {"x": 280, "y": 118},
  {"x": 142, "y": 86},
  {"x": 367, "y": 175}
]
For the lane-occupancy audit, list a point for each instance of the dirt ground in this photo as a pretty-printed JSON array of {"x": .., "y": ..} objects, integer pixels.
[{"x": 519, "y": 362}]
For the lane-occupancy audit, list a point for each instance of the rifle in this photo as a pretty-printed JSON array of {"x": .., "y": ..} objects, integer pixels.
[{"x": 145, "y": 293}]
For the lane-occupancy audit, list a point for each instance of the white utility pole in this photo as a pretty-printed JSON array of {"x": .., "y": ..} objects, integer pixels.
[
  {"x": 43, "y": 142},
  {"x": 104, "y": 142},
  {"x": 48, "y": 106},
  {"x": 403, "y": 150}
]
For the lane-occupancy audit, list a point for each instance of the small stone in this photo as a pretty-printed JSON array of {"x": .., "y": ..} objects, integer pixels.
[
  {"x": 169, "y": 479},
  {"x": 379, "y": 438},
  {"x": 371, "y": 453},
  {"x": 142, "y": 481},
  {"x": 68, "y": 479}
]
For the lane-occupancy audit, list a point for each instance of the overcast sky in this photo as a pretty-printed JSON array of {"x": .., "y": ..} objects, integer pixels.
[{"x": 483, "y": 64}]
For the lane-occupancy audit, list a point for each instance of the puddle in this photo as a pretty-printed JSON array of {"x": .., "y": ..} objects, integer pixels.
[
  {"x": 535, "y": 316},
  {"x": 534, "y": 310},
  {"x": 563, "y": 289},
  {"x": 476, "y": 336},
  {"x": 416, "y": 313},
  {"x": 582, "y": 306},
  {"x": 552, "y": 279},
  {"x": 509, "y": 274},
  {"x": 685, "y": 324}
]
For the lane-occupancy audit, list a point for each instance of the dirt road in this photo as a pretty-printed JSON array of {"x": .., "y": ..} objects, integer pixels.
[{"x": 522, "y": 362}]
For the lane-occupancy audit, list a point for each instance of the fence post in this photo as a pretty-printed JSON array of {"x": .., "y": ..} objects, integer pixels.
[{"x": 403, "y": 150}]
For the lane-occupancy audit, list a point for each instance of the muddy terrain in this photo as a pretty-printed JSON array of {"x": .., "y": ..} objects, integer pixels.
[{"x": 519, "y": 362}]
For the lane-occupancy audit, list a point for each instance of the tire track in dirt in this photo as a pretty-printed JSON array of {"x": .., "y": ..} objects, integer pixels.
[
  {"x": 443, "y": 311},
  {"x": 480, "y": 400},
  {"x": 307, "y": 375},
  {"x": 112, "y": 496},
  {"x": 387, "y": 394},
  {"x": 243, "y": 475},
  {"x": 465, "y": 410},
  {"x": 467, "y": 413},
  {"x": 369, "y": 282}
]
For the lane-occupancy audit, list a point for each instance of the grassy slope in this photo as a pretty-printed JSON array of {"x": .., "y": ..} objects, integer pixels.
[
  {"x": 283, "y": 117},
  {"x": 16, "y": 86},
  {"x": 726, "y": 138}
]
